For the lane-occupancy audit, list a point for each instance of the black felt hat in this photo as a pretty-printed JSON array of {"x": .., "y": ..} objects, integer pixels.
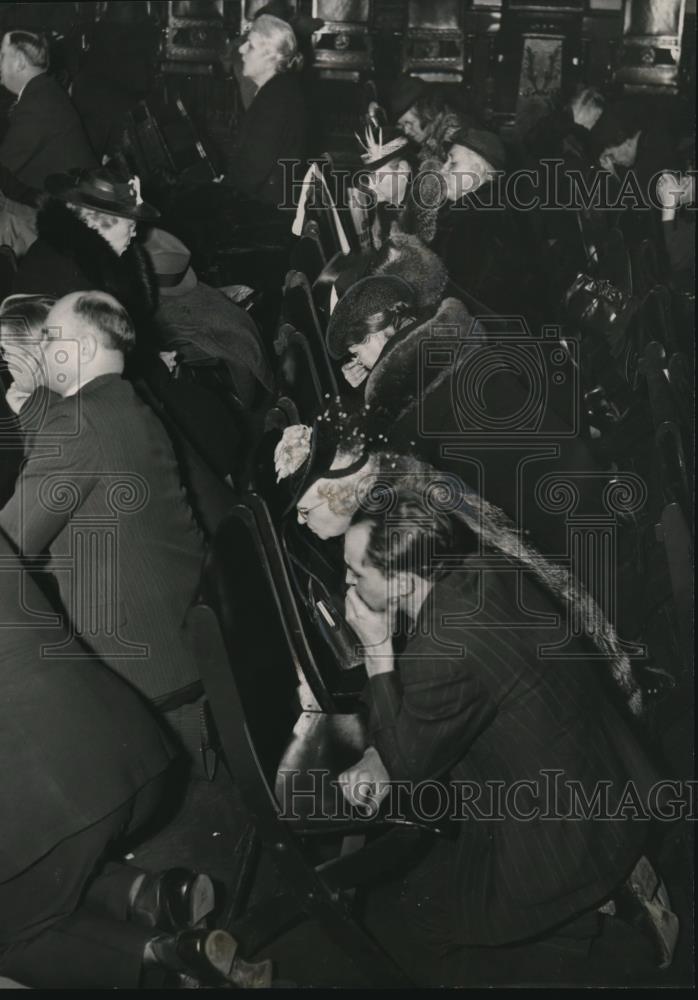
[
  {"x": 362, "y": 305},
  {"x": 103, "y": 190},
  {"x": 405, "y": 92}
]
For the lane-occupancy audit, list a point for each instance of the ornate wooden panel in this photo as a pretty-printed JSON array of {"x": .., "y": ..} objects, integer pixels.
[{"x": 650, "y": 52}]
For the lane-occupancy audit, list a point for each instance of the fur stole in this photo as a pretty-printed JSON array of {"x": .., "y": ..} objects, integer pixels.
[
  {"x": 400, "y": 374},
  {"x": 130, "y": 278}
]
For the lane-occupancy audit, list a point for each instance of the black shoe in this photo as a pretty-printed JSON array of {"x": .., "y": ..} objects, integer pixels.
[
  {"x": 208, "y": 958},
  {"x": 173, "y": 900}
]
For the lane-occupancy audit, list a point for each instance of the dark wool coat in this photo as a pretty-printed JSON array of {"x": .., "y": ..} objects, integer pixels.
[
  {"x": 76, "y": 742},
  {"x": 274, "y": 128},
  {"x": 69, "y": 257}
]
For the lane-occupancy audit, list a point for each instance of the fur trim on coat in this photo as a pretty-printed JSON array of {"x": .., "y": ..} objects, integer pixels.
[
  {"x": 130, "y": 278},
  {"x": 394, "y": 384}
]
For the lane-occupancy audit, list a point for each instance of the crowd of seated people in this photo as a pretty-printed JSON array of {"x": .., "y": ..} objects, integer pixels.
[{"x": 483, "y": 362}]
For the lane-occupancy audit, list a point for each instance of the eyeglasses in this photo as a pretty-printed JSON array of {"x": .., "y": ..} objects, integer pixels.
[{"x": 304, "y": 511}]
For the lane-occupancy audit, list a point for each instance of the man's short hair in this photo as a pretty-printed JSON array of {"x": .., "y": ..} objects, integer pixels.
[
  {"x": 34, "y": 48},
  {"x": 412, "y": 534},
  {"x": 108, "y": 319}
]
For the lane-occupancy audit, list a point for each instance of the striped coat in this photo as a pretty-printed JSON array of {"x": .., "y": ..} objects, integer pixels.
[{"x": 515, "y": 737}]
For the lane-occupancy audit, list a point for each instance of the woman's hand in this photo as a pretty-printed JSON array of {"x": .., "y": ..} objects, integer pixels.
[{"x": 365, "y": 784}]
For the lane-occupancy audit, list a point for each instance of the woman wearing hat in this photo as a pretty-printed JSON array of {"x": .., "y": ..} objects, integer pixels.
[
  {"x": 475, "y": 235},
  {"x": 378, "y": 323},
  {"x": 86, "y": 242},
  {"x": 386, "y": 181}
]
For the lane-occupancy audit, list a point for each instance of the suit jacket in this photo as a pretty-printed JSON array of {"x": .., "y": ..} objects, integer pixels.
[
  {"x": 75, "y": 742},
  {"x": 45, "y": 135},
  {"x": 274, "y": 127},
  {"x": 101, "y": 492},
  {"x": 473, "y": 702}
]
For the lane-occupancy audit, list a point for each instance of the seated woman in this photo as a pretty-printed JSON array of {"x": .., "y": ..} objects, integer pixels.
[
  {"x": 379, "y": 323},
  {"x": 475, "y": 236},
  {"x": 331, "y": 485},
  {"x": 426, "y": 117},
  {"x": 84, "y": 764},
  {"x": 275, "y": 126},
  {"x": 385, "y": 185},
  {"x": 87, "y": 230}
]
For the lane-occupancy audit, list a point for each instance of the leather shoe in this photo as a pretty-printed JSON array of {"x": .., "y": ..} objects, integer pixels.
[
  {"x": 207, "y": 958},
  {"x": 173, "y": 900}
]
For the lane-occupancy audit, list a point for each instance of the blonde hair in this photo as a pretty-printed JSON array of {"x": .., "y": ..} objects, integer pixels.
[{"x": 278, "y": 35}]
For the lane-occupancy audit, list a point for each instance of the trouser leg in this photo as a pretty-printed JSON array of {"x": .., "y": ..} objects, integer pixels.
[
  {"x": 80, "y": 951},
  {"x": 17, "y": 225},
  {"x": 47, "y": 937}
]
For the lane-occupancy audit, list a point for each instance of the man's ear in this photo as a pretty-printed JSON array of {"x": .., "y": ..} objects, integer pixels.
[{"x": 88, "y": 347}]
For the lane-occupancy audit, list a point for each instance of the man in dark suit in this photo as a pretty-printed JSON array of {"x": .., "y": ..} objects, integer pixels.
[
  {"x": 513, "y": 739},
  {"x": 44, "y": 135},
  {"x": 82, "y": 763},
  {"x": 101, "y": 493}
]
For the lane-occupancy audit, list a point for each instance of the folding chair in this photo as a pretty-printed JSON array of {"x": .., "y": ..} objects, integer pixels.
[
  {"x": 298, "y": 309},
  {"x": 247, "y": 667},
  {"x": 307, "y": 254},
  {"x": 298, "y": 375},
  {"x": 645, "y": 267},
  {"x": 262, "y": 473},
  {"x": 670, "y": 494},
  {"x": 330, "y": 687},
  {"x": 209, "y": 496},
  {"x": 325, "y": 207},
  {"x": 316, "y": 572},
  {"x": 614, "y": 262}
]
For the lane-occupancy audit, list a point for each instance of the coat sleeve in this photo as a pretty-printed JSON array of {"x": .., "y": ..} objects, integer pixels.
[
  {"x": 423, "y": 722},
  {"x": 57, "y": 476}
]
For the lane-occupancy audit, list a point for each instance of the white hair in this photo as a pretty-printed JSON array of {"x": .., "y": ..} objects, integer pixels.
[{"x": 279, "y": 37}]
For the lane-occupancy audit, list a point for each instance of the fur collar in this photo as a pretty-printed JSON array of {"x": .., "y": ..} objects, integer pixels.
[
  {"x": 394, "y": 384},
  {"x": 129, "y": 278}
]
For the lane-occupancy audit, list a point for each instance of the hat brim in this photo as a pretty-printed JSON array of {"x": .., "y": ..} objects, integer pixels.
[
  {"x": 64, "y": 190},
  {"x": 188, "y": 282},
  {"x": 402, "y": 100},
  {"x": 314, "y": 469}
]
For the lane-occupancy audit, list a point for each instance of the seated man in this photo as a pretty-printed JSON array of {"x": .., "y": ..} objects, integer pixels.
[
  {"x": 101, "y": 492},
  {"x": 474, "y": 707},
  {"x": 83, "y": 764},
  {"x": 44, "y": 135}
]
